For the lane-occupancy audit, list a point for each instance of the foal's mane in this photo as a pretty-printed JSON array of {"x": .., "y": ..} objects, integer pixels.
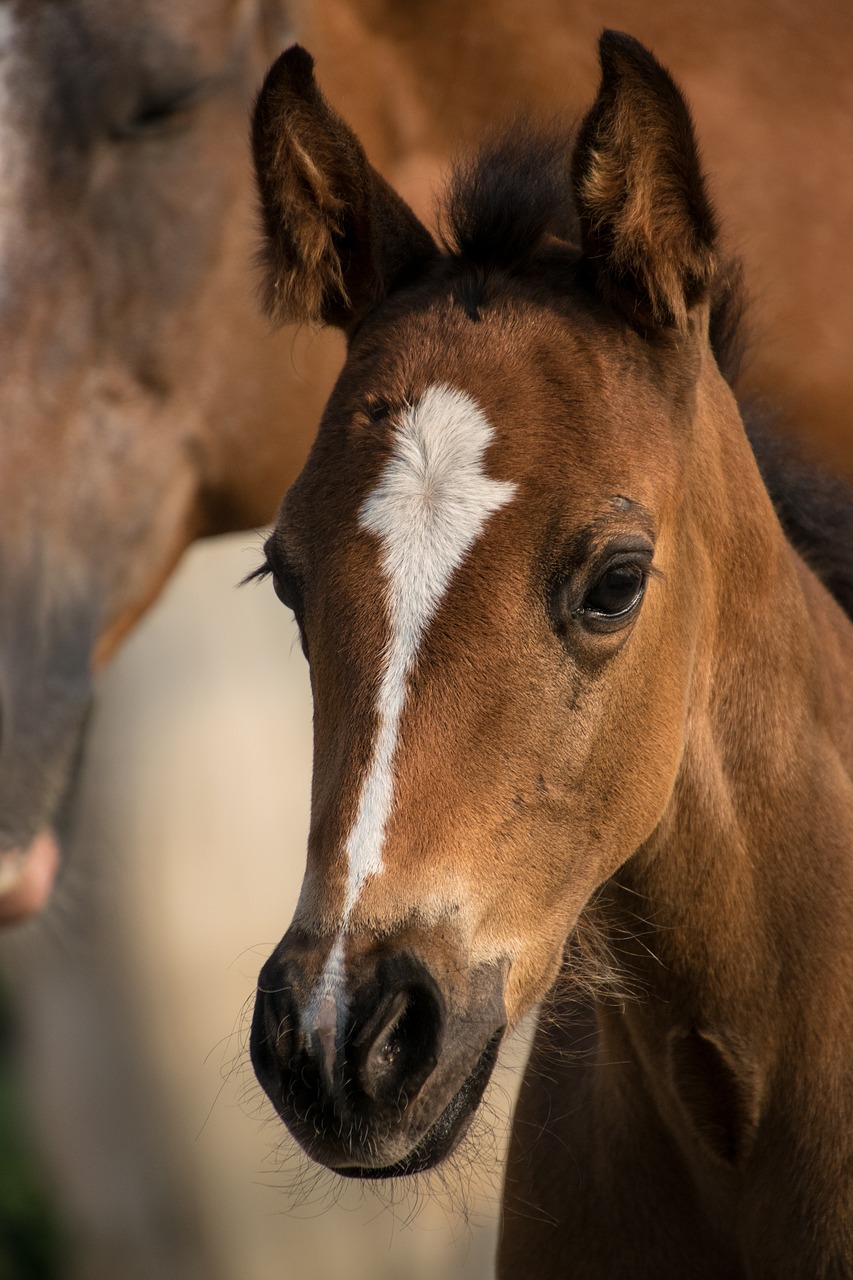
[{"x": 510, "y": 207}]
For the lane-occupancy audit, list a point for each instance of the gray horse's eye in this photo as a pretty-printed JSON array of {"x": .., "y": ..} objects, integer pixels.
[{"x": 158, "y": 114}]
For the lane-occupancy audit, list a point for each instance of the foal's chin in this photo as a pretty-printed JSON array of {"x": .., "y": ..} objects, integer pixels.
[{"x": 405, "y": 1140}]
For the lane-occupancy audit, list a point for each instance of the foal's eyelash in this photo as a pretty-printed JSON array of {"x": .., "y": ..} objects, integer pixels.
[{"x": 257, "y": 575}]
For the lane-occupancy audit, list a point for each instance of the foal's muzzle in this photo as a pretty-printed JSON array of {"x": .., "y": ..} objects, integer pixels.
[{"x": 374, "y": 1068}]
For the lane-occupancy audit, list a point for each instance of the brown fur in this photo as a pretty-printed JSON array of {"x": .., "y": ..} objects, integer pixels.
[{"x": 681, "y": 776}]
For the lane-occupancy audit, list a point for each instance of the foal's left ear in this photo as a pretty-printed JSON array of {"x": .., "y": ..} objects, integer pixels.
[
  {"x": 337, "y": 237},
  {"x": 648, "y": 228}
]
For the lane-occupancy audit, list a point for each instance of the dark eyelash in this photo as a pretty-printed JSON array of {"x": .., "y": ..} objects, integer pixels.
[{"x": 257, "y": 575}]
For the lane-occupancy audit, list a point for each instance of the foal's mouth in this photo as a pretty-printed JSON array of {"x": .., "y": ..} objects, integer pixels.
[{"x": 444, "y": 1135}]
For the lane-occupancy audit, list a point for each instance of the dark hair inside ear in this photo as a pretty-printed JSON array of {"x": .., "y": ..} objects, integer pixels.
[
  {"x": 337, "y": 238},
  {"x": 649, "y": 231}
]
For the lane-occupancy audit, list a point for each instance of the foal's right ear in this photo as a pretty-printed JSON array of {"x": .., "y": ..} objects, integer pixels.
[{"x": 338, "y": 239}]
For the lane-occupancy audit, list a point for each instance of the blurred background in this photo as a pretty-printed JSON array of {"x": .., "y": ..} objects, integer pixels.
[{"x": 134, "y": 1143}]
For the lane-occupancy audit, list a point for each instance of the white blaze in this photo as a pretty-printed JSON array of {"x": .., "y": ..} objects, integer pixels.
[
  {"x": 430, "y": 506},
  {"x": 428, "y": 509}
]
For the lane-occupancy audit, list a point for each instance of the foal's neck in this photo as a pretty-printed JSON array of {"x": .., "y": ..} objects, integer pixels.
[
  {"x": 732, "y": 921},
  {"x": 755, "y": 851}
]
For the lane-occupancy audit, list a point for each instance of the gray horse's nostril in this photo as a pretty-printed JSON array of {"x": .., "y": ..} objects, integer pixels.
[{"x": 397, "y": 1049}]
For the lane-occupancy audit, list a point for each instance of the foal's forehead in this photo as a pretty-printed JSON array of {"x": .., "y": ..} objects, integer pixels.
[
  {"x": 516, "y": 396},
  {"x": 422, "y": 475}
]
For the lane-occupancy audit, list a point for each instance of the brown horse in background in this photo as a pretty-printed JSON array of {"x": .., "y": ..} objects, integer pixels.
[
  {"x": 143, "y": 402},
  {"x": 571, "y": 680},
  {"x": 769, "y": 89}
]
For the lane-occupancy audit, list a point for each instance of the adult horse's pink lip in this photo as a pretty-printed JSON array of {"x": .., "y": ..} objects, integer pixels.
[{"x": 26, "y": 878}]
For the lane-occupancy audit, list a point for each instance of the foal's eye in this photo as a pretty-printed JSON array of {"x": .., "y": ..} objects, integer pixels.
[
  {"x": 605, "y": 600},
  {"x": 616, "y": 593},
  {"x": 286, "y": 590},
  {"x": 286, "y": 585}
]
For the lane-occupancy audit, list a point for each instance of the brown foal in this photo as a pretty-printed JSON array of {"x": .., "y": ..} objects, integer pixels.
[{"x": 570, "y": 679}]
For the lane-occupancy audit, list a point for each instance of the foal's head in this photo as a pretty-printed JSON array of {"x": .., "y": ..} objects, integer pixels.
[{"x": 498, "y": 555}]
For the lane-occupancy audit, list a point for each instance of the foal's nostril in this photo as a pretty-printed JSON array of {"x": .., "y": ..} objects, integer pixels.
[
  {"x": 397, "y": 1049},
  {"x": 336, "y": 1057},
  {"x": 274, "y": 1040}
]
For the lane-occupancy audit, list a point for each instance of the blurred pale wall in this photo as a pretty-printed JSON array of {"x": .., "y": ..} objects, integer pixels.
[{"x": 188, "y": 837}]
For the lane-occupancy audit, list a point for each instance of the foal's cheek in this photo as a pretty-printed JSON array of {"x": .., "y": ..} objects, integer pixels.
[
  {"x": 535, "y": 903},
  {"x": 596, "y": 796}
]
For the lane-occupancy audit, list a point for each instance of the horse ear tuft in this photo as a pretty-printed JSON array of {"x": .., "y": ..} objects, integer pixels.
[
  {"x": 648, "y": 228},
  {"x": 337, "y": 238}
]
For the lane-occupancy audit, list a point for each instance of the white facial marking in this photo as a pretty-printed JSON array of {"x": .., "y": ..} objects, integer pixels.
[
  {"x": 429, "y": 508},
  {"x": 328, "y": 1006}
]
